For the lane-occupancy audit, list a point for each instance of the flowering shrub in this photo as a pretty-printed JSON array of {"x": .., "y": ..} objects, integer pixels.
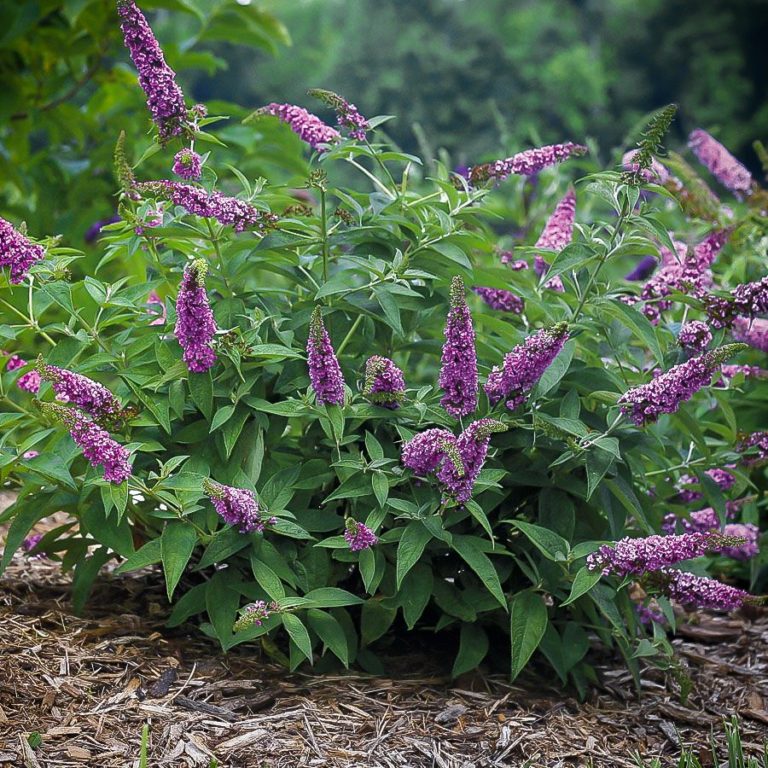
[{"x": 332, "y": 412}]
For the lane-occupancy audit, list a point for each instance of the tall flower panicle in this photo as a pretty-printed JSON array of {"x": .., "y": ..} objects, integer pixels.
[
  {"x": 187, "y": 164},
  {"x": 700, "y": 521},
  {"x": 472, "y": 445},
  {"x": 752, "y": 331},
  {"x": 308, "y": 127},
  {"x": 358, "y": 535},
  {"x": 99, "y": 449},
  {"x": 237, "y": 506},
  {"x": 424, "y": 453},
  {"x": 557, "y": 233},
  {"x": 525, "y": 163},
  {"x": 695, "y": 336},
  {"x": 17, "y": 252},
  {"x": 164, "y": 97},
  {"x": 746, "y": 300},
  {"x": 656, "y": 173},
  {"x": 525, "y": 365},
  {"x": 643, "y": 269},
  {"x": 384, "y": 382},
  {"x": 500, "y": 299},
  {"x": 458, "y": 369},
  {"x": 324, "y": 370},
  {"x": 213, "y": 205},
  {"x": 347, "y": 115},
  {"x": 88, "y": 395},
  {"x": 665, "y": 393},
  {"x": 756, "y": 440},
  {"x": 255, "y": 614},
  {"x": 634, "y": 557},
  {"x": 700, "y": 591},
  {"x": 195, "y": 327},
  {"x": 720, "y": 162}
]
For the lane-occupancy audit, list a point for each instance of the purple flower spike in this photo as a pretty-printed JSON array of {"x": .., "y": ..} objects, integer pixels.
[
  {"x": 557, "y": 233},
  {"x": 187, "y": 164},
  {"x": 503, "y": 300},
  {"x": 634, "y": 557},
  {"x": 384, "y": 382},
  {"x": 99, "y": 449},
  {"x": 30, "y": 381},
  {"x": 720, "y": 163},
  {"x": 212, "y": 205},
  {"x": 195, "y": 327},
  {"x": 17, "y": 252},
  {"x": 748, "y": 548},
  {"x": 308, "y": 127},
  {"x": 88, "y": 395},
  {"x": 525, "y": 365},
  {"x": 425, "y": 452},
  {"x": 237, "y": 506},
  {"x": 472, "y": 445},
  {"x": 751, "y": 331},
  {"x": 700, "y": 591},
  {"x": 358, "y": 535},
  {"x": 695, "y": 336},
  {"x": 255, "y": 614},
  {"x": 665, "y": 394},
  {"x": 347, "y": 115},
  {"x": 324, "y": 370},
  {"x": 724, "y": 479},
  {"x": 458, "y": 369},
  {"x": 164, "y": 97},
  {"x": 525, "y": 163}
]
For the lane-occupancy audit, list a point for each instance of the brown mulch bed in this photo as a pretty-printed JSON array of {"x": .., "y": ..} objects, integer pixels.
[{"x": 89, "y": 684}]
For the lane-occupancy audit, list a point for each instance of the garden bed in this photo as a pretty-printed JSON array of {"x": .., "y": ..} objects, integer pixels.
[{"x": 88, "y": 685}]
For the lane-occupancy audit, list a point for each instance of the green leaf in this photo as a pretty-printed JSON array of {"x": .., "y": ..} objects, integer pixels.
[
  {"x": 298, "y": 633},
  {"x": 549, "y": 543},
  {"x": 473, "y": 646},
  {"x": 411, "y": 547},
  {"x": 266, "y": 578},
  {"x": 330, "y": 632},
  {"x": 380, "y": 486},
  {"x": 527, "y": 624},
  {"x": 331, "y": 597},
  {"x": 416, "y": 593},
  {"x": 201, "y": 392},
  {"x": 584, "y": 581},
  {"x": 177, "y": 543},
  {"x": 27, "y": 515},
  {"x": 86, "y": 572},
  {"x": 572, "y": 257},
  {"x": 599, "y": 461},
  {"x": 353, "y": 487},
  {"x": 221, "y": 603},
  {"x": 149, "y": 554},
  {"x": 470, "y": 548},
  {"x": 375, "y": 620},
  {"x": 638, "y": 323},
  {"x": 557, "y": 369}
]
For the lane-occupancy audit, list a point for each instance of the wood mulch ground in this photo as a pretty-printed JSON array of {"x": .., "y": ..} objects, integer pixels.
[{"x": 89, "y": 684}]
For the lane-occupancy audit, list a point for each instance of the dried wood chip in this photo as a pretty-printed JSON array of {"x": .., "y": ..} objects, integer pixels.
[
  {"x": 208, "y": 709},
  {"x": 450, "y": 714},
  {"x": 163, "y": 684}
]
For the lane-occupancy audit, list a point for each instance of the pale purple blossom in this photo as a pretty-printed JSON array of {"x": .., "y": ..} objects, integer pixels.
[
  {"x": 752, "y": 331},
  {"x": 747, "y": 371},
  {"x": 424, "y": 453},
  {"x": 557, "y": 233},
  {"x": 458, "y": 368},
  {"x": 724, "y": 479},
  {"x": 347, "y": 115},
  {"x": 164, "y": 97},
  {"x": 525, "y": 163},
  {"x": 30, "y": 455},
  {"x": 255, "y": 614},
  {"x": 500, "y": 299},
  {"x": 29, "y": 381},
  {"x": 508, "y": 258},
  {"x": 308, "y": 127},
  {"x": 17, "y": 252},
  {"x": 384, "y": 382},
  {"x": 195, "y": 326},
  {"x": 187, "y": 164},
  {"x": 324, "y": 370},
  {"x": 700, "y": 591},
  {"x": 525, "y": 365},
  {"x": 358, "y": 535},
  {"x": 88, "y": 395},
  {"x": 758, "y": 440},
  {"x": 695, "y": 336},
  {"x": 720, "y": 163},
  {"x": 237, "y": 506}
]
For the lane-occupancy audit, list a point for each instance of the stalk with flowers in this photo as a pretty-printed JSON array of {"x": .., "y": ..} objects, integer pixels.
[{"x": 374, "y": 409}]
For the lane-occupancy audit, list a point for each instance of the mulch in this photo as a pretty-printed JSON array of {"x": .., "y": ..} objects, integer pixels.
[{"x": 88, "y": 685}]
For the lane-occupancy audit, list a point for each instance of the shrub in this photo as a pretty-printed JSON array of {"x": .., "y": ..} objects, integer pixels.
[{"x": 306, "y": 417}]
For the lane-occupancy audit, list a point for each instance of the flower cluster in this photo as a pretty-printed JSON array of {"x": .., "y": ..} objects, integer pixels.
[
  {"x": 384, "y": 382},
  {"x": 665, "y": 393},
  {"x": 164, "y": 97},
  {"x": 324, "y": 370},
  {"x": 695, "y": 336},
  {"x": 358, "y": 535},
  {"x": 213, "y": 205},
  {"x": 472, "y": 445},
  {"x": 195, "y": 327},
  {"x": 720, "y": 162},
  {"x": 525, "y": 365},
  {"x": 525, "y": 163},
  {"x": 187, "y": 164},
  {"x": 508, "y": 258},
  {"x": 88, "y": 395},
  {"x": 747, "y": 371},
  {"x": 752, "y": 331},
  {"x": 557, "y": 233},
  {"x": 29, "y": 381},
  {"x": 237, "y": 506},
  {"x": 425, "y": 452},
  {"x": 347, "y": 115},
  {"x": 17, "y": 252},
  {"x": 500, "y": 299},
  {"x": 700, "y": 521},
  {"x": 749, "y": 535},
  {"x": 700, "y": 591},
  {"x": 656, "y": 174},
  {"x": 255, "y": 614},
  {"x": 458, "y": 369},
  {"x": 99, "y": 449},
  {"x": 305, "y": 125},
  {"x": 722, "y": 477},
  {"x": 634, "y": 557},
  {"x": 758, "y": 440}
]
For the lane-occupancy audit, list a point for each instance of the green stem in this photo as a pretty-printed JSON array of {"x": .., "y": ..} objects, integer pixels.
[
  {"x": 324, "y": 234},
  {"x": 219, "y": 257},
  {"x": 350, "y": 334},
  {"x": 31, "y": 322},
  {"x": 381, "y": 165},
  {"x": 377, "y": 182}
]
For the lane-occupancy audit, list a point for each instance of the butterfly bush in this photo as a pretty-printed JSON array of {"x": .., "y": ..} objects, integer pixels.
[
  {"x": 720, "y": 162},
  {"x": 216, "y": 444}
]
